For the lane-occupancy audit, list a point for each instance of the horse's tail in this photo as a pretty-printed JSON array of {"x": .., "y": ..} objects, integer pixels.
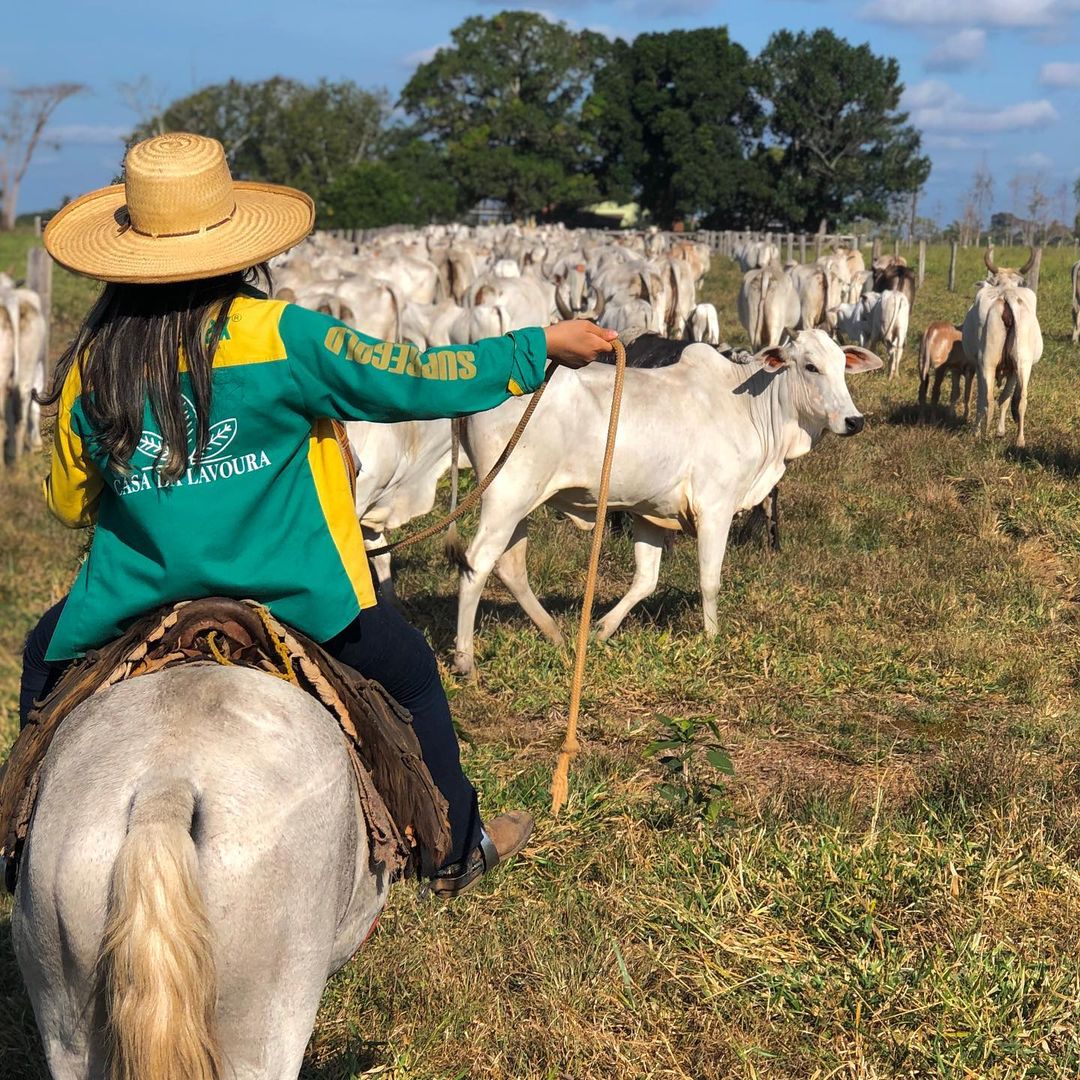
[{"x": 157, "y": 962}]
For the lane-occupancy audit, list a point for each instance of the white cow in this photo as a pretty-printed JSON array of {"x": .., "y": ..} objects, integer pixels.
[
  {"x": 1076, "y": 302},
  {"x": 769, "y": 306},
  {"x": 399, "y": 466},
  {"x": 1003, "y": 338},
  {"x": 9, "y": 349},
  {"x": 22, "y": 308},
  {"x": 704, "y": 324},
  {"x": 890, "y": 313},
  {"x": 697, "y": 442},
  {"x": 852, "y": 322}
]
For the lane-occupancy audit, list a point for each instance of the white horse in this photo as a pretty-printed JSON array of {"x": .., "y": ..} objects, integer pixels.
[{"x": 197, "y": 867}]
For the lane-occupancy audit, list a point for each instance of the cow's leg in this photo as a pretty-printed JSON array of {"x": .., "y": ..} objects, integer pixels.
[
  {"x": 772, "y": 501},
  {"x": 648, "y": 548},
  {"x": 384, "y": 581},
  {"x": 18, "y": 442},
  {"x": 1019, "y": 407},
  {"x": 497, "y": 528},
  {"x": 894, "y": 359},
  {"x": 1006, "y": 393},
  {"x": 984, "y": 400},
  {"x": 969, "y": 376},
  {"x": 712, "y": 543},
  {"x": 954, "y": 389},
  {"x": 513, "y": 572},
  {"x": 1076, "y": 325}
]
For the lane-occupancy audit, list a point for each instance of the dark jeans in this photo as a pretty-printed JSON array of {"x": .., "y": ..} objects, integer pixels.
[{"x": 379, "y": 644}]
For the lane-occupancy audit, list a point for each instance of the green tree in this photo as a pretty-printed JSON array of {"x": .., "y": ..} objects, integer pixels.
[
  {"x": 676, "y": 120},
  {"x": 503, "y": 103},
  {"x": 833, "y": 112},
  {"x": 408, "y": 187},
  {"x": 282, "y": 131}
]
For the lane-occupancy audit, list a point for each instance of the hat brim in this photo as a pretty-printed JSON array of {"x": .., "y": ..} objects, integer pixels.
[{"x": 91, "y": 236}]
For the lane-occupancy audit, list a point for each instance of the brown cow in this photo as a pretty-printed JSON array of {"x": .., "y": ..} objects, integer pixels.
[
  {"x": 941, "y": 353},
  {"x": 892, "y": 273}
]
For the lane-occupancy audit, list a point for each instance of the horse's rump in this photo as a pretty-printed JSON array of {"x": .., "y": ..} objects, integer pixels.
[{"x": 406, "y": 814}]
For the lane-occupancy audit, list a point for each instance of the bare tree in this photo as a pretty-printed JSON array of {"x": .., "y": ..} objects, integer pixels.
[
  {"x": 969, "y": 224},
  {"x": 1036, "y": 206},
  {"x": 147, "y": 101},
  {"x": 982, "y": 195},
  {"x": 22, "y": 127}
]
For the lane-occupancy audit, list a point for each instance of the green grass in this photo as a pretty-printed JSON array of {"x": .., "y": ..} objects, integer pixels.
[{"x": 898, "y": 690}]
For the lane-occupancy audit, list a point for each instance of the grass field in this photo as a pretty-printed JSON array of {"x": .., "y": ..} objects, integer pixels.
[{"x": 892, "y": 890}]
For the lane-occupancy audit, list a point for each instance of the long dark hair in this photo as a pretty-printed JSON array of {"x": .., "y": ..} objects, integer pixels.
[{"x": 128, "y": 350}]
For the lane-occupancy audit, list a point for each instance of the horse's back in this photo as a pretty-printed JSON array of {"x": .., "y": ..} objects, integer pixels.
[{"x": 278, "y": 846}]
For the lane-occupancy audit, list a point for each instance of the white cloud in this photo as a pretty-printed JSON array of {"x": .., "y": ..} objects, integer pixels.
[
  {"x": 959, "y": 50},
  {"x": 950, "y": 142},
  {"x": 1036, "y": 160},
  {"x": 1060, "y": 74},
  {"x": 1007, "y": 13},
  {"x": 937, "y": 107},
  {"x": 422, "y": 56},
  {"x": 88, "y": 134}
]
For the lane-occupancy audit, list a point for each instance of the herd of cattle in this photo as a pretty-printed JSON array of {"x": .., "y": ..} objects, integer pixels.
[
  {"x": 22, "y": 367},
  {"x": 706, "y": 430}
]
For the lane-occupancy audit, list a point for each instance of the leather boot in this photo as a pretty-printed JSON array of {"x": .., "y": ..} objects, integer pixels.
[{"x": 500, "y": 840}]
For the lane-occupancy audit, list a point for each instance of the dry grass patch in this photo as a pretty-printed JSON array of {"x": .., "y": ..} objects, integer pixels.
[{"x": 898, "y": 691}]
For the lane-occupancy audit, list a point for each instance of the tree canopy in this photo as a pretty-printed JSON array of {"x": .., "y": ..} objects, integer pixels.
[
  {"x": 676, "y": 117},
  {"x": 503, "y": 103},
  {"x": 843, "y": 148},
  {"x": 282, "y": 131},
  {"x": 548, "y": 119}
]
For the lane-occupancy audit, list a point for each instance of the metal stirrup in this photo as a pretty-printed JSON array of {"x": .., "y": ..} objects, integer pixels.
[{"x": 488, "y": 850}]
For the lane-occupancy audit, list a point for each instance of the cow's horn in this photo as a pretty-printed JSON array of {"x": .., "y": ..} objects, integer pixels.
[
  {"x": 563, "y": 307},
  {"x": 595, "y": 313},
  {"x": 988, "y": 258},
  {"x": 1029, "y": 264}
]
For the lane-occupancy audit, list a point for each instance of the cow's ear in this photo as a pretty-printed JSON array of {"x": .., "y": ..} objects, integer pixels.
[
  {"x": 774, "y": 357},
  {"x": 857, "y": 360}
]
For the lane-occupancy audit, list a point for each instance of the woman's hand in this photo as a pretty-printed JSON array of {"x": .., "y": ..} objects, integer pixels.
[{"x": 577, "y": 342}]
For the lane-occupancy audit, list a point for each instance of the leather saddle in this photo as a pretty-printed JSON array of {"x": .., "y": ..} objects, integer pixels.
[{"x": 405, "y": 812}]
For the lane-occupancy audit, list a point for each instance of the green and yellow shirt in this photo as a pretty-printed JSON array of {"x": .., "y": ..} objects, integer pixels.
[{"x": 266, "y": 513}]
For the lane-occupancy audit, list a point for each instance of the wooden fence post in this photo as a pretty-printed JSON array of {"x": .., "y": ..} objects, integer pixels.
[
  {"x": 802, "y": 247},
  {"x": 790, "y": 246},
  {"x": 922, "y": 262},
  {"x": 39, "y": 278},
  {"x": 875, "y": 251},
  {"x": 1032, "y": 277},
  {"x": 817, "y": 245},
  {"x": 952, "y": 266}
]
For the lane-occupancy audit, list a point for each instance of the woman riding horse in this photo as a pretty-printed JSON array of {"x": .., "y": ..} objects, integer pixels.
[{"x": 194, "y": 429}]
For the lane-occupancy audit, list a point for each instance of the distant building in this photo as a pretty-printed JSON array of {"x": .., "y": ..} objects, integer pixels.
[{"x": 489, "y": 212}]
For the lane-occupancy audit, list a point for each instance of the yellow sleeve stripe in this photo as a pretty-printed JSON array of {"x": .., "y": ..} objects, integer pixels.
[
  {"x": 514, "y": 388},
  {"x": 335, "y": 498},
  {"x": 73, "y": 486}
]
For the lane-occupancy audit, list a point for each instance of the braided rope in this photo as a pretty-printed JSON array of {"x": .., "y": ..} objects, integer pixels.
[
  {"x": 570, "y": 747},
  {"x": 477, "y": 492}
]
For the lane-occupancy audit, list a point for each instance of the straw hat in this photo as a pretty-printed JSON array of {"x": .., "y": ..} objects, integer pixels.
[{"x": 179, "y": 215}]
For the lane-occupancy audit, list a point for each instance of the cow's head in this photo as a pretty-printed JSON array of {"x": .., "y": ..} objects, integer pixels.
[
  {"x": 816, "y": 367},
  {"x": 1004, "y": 275}
]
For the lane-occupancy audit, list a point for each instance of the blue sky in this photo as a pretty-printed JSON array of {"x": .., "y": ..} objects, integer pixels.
[{"x": 993, "y": 78}]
